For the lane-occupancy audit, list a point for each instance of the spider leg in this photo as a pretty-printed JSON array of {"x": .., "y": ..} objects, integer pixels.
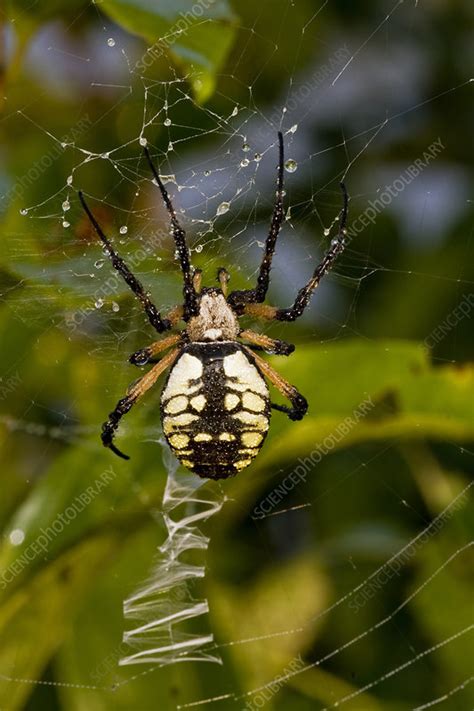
[
  {"x": 223, "y": 278},
  {"x": 144, "y": 355},
  {"x": 197, "y": 280},
  {"x": 135, "y": 392},
  {"x": 336, "y": 248},
  {"x": 269, "y": 345},
  {"x": 189, "y": 291},
  {"x": 150, "y": 309},
  {"x": 299, "y": 404},
  {"x": 257, "y": 295}
]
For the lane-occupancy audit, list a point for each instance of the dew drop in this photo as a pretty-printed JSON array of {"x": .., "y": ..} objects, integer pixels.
[
  {"x": 123, "y": 230},
  {"x": 66, "y": 205},
  {"x": 167, "y": 122},
  {"x": 257, "y": 157},
  {"x": 66, "y": 224},
  {"x": 99, "y": 263},
  {"x": 245, "y": 147},
  {"x": 198, "y": 248},
  {"x": 223, "y": 208},
  {"x": 17, "y": 536},
  {"x": 111, "y": 42},
  {"x": 291, "y": 165},
  {"x": 235, "y": 111},
  {"x": 170, "y": 146},
  {"x": 115, "y": 306},
  {"x": 244, "y": 163},
  {"x": 99, "y": 303},
  {"x": 327, "y": 231},
  {"x": 69, "y": 180},
  {"x": 142, "y": 141},
  {"x": 294, "y": 128},
  {"x": 23, "y": 211},
  {"x": 207, "y": 173}
]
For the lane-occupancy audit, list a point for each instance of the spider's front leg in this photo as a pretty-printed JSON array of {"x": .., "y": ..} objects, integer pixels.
[
  {"x": 135, "y": 392},
  {"x": 336, "y": 248},
  {"x": 299, "y": 403}
]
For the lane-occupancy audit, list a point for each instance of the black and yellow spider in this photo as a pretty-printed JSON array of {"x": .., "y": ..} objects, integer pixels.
[{"x": 215, "y": 404}]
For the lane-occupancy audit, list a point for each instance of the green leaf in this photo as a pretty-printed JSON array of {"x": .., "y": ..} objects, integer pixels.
[
  {"x": 198, "y": 35},
  {"x": 407, "y": 397},
  {"x": 35, "y": 620}
]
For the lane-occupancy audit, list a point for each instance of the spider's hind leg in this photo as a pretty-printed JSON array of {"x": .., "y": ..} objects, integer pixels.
[
  {"x": 135, "y": 392},
  {"x": 299, "y": 404},
  {"x": 267, "y": 344},
  {"x": 145, "y": 355}
]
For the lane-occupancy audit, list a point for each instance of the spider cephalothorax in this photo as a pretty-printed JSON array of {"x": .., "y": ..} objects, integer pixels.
[{"x": 215, "y": 404}]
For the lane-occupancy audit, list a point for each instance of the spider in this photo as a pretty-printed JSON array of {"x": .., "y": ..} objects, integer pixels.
[{"x": 215, "y": 405}]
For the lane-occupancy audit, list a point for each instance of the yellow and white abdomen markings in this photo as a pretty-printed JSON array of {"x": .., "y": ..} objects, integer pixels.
[{"x": 215, "y": 410}]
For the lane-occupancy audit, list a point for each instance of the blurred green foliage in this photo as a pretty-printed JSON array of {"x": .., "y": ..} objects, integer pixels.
[{"x": 376, "y": 487}]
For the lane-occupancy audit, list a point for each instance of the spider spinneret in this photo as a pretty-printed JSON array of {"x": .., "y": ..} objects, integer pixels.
[{"x": 215, "y": 405}]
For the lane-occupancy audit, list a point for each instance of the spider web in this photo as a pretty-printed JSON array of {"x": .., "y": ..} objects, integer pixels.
[{"x": 219, "y": 167}]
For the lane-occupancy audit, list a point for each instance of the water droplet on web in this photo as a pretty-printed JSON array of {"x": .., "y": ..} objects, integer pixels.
[
  {"x": 111, "y": 42},
  {"x": 66, "y": 224},
  {"x": 69, "y": 180},
  {"x": 23, "y": 211},
  {"x": 170, "y": 146},
  {"x": 244, "y": 163},
  {"x": 63, "y": 144},
  {"x": 167, "y": 122},
  {"x": 235, "y": 111},
  {"x": 142, "y": 141},
  {"x": 284, "y": 110},
  {"x": 17, "y": 536},
  {"x": 327, "y": 231},
  {"x": 99, "y": 303},
  {"x": 198, "y": 248},
  {"x": 123, "y": 230},
  {"x": 115, "y": 306},
  {"x": 257, "y": 157},
  {"x": 207, "y": 172},
  {"x": 223, "y": 208},
  {"x": 99, "y": 263},
  {"x": 245, "y": 147},
  {"x": 291, "y": 165},
  {"x": 104, "y": 156},
  {"x": 66, "y": 205},
  {"x": 294, "y": 128}
]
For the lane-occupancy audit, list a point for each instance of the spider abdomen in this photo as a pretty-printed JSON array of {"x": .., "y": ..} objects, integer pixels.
[{"x": 215, "y": 409}]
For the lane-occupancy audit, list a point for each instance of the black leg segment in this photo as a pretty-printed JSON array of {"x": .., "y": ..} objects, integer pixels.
[
  {"x": 338, "y": 245},
  {"x": 109, "y": 427},
  {"x": 257, "y": 295},
  {"x": 149, "y": 307},
  {"x": 189, "y": 291}
]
